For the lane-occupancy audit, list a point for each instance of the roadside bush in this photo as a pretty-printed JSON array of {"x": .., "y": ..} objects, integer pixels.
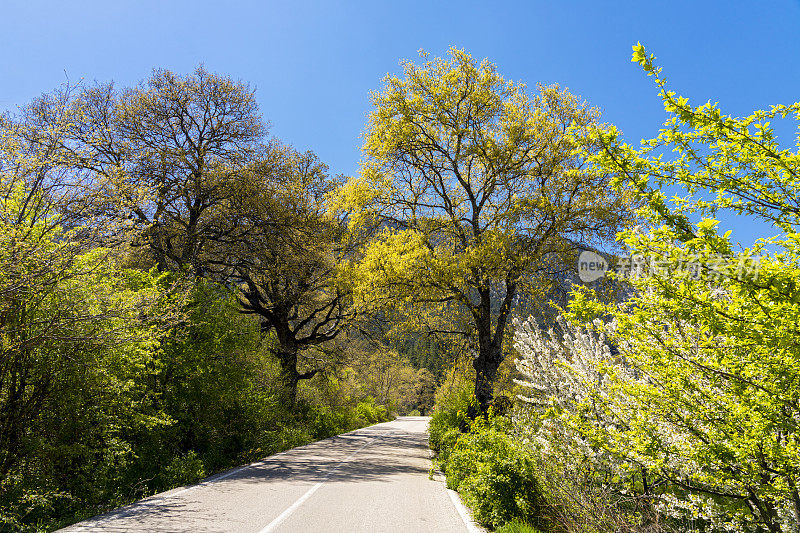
[
  {"x": 326, "y": 421},
  {"x": 23, "y": 503},
  {"x": 184, "y": 470},
  {"x": 437, "y": 427},
  {"x": 447, "y": 442},
  {"x": 516, "y": 526},
  {"x": 495, "y": 474},
  {"x": 368, "y": 412},
  {"x": 579, "y": 497},
  {"x": 452, "y": 402},
  {"x": 288, "y": 437}
]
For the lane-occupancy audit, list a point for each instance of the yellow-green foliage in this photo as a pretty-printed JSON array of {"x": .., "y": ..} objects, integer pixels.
[
  {"x": 450, "y": 144},
  {"x": 707, "y": 398},
  {"x": 473, "y": 184},
  {"x": 114, "y": 382},
  {"x": 495, "y": 473}
]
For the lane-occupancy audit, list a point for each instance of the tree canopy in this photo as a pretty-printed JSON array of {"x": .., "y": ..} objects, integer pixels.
[{"x": 479, "y": 192}]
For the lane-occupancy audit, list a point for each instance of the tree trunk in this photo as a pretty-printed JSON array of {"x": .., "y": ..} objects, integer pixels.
[
  {"x": 287, "y": 351},
  {"x": 289, "y": 374},
  {"x": 486, "y": 365},
  {"x": 490, "y": 347}
]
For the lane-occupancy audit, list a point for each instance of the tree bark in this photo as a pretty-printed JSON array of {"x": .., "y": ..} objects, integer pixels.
[
  {"x": 490, "y": 345},
  {"x": 485, "y": 365},
  {"x": 290, "y": 376}
]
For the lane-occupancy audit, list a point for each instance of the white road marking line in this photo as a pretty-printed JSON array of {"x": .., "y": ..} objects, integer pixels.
[
  {"x": 99, "y": 521},
  {"x": 155, "y": 499},
  {"x": 216, "y": 477},
  {"x": 210, "y": 480},
  {"x": 462, "y": 511},
  {"x": 292, "y": 508}
]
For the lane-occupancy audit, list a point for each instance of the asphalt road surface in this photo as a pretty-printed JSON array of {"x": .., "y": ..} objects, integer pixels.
[{"x": 370, "y": 480}]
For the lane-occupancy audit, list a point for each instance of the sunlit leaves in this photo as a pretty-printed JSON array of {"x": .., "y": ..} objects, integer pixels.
[{"x": 704, "y": 393}]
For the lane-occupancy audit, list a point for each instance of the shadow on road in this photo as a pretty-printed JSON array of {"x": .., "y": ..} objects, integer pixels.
[
  {"x": 370, "y": 454},
  {"x": 382, "y": 457}
]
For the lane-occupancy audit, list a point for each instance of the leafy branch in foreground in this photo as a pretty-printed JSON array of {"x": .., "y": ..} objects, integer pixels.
[{"x": 701, "y": 402}]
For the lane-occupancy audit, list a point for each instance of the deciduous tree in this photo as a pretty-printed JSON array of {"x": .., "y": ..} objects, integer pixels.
[
  {"x": 478, "y": 186},
  {"x": 169, "y": 156},
  {"x": 71, "y": 320},
  {"x": 286, "y": 267}
]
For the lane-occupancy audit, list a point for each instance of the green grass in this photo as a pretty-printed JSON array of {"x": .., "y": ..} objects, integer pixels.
[{"x": 516, "y": 526}]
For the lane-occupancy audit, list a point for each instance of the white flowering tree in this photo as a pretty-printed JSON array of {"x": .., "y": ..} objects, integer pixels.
[
  {"x": 701, "y": 399},
  {"x": 609, "y": 410}
]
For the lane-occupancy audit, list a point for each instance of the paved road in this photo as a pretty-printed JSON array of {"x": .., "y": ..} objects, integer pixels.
[{"x": 370, "y": 480}]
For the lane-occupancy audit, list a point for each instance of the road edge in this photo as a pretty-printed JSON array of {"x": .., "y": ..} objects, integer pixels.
[{"x": 463, "y": 511}]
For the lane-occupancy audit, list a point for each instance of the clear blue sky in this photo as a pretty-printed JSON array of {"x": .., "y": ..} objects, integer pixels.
[{"x": 314, "y": 63}]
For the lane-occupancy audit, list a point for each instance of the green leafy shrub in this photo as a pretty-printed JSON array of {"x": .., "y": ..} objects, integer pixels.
[
  {"x": 371, "y": 413},
  {"x": 184, "y": 470},
  {"x": 24, "y": 507},
  {"x": 516, "y": 526},
  {"x": 447, "y": 442},
  {"x": 503, "y": 488},
  {"x": 326, "y": 422},
  {"x": 450, "y": 412},
  {"x": 495, "y": 474},
  {"x": 288, "y": 437},
  {"x": 437, "y": 427}
]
